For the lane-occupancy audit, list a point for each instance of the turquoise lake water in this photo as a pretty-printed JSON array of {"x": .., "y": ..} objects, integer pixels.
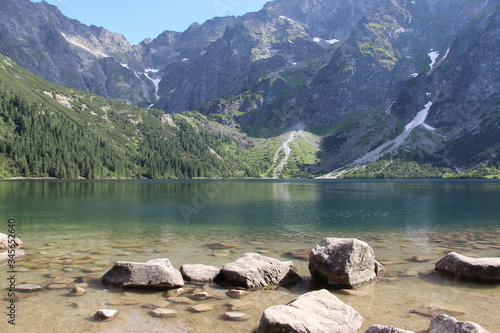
[
  {"x": 73, "y": 227},
  {"x": 251, "y": 206}
]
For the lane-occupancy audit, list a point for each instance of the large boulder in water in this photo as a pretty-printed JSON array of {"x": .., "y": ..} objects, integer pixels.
[
  {"x": 252, "y": 270},
  {"x": 446, "y": 324},
  {"x": 344, "y": 263},
  {"x": 462, "y": 267},
  {"x": 154, "y": 274},
  {"x": 317, "y": 311}
]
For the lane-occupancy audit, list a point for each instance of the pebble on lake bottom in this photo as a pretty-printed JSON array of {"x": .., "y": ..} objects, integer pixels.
[
  {"x": 240, "y": 305},
  {"x": 237, "y": 293},
  {"x": 236, "y": 316},
  {"x": 106, "y": 314},
  {"x": 156, "y": 305},
  {"x": 164, "y": 313},
  {"x": 77, "y": 291},
  {"x": 28, "y": 288},
  {"x": 202, "y": 308}
]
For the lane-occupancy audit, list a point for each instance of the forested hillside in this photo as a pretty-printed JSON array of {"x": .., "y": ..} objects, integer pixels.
[{"x": 51, "y": 131}]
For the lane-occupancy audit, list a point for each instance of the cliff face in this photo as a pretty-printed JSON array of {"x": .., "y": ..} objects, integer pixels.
[
  {"x": 39, "y": 38},
  {"x": 355, "y": 73}
]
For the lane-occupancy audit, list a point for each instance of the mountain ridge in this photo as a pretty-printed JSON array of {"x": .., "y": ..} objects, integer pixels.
[{"x": 354, "y": 74}]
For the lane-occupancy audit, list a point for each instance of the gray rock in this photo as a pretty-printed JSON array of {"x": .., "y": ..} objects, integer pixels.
[
  {"x": 385, "y": 329},
  {"x": 460, "y": 266},
  {"x": 446, "y": 324},
  {"x": 155, "y": 274},
  {"x": 106, "y": 314},
  {"x": 318, "y": 311},
  {"x": 252, "y": 270},
  {"x": 344, "y": 263},
  {"x": 199, "y": 273}
]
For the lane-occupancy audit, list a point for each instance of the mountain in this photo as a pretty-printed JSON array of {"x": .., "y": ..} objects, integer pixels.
[
  {"x": 51, "y": 131},
  {"x": 42, "y": 40},
  {"x": 377, "y": 88}
]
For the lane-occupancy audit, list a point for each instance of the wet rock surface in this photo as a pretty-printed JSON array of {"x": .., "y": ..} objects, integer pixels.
[
  {"x": 154, "y": 274},
  {"x": 344, "y": 263},
  {"x": 317, "y": 311},
  {"x": 252, "y": 270},
  {"x": 199, "y": 273},
  {"x": 463, "y": 267},
  {"x": 447, "y": 324}
]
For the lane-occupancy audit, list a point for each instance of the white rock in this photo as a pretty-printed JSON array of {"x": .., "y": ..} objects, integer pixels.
[
  {"x": 318, "y": 311},
  {"x": 106, "y": 314},
  {"x": 446, "y": 324}
]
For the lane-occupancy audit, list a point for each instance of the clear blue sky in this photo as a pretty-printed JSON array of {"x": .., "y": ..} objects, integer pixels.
[{"x": 139, "y": 19}]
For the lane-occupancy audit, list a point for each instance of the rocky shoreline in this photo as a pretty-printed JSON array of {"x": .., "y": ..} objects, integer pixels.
[{"x": 333, "y": 263}]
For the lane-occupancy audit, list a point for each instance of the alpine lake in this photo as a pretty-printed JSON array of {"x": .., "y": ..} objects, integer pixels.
[{"x": 74, "y": 231}]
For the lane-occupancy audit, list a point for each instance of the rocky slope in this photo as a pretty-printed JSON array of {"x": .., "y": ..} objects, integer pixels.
[{"x": 364, "y": 81}]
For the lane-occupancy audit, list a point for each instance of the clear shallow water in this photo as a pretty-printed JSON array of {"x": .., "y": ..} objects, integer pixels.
[{"x": 73, "y": 227}]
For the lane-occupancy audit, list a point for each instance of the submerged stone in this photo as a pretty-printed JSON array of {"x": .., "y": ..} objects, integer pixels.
[
  {"x": 77, "y": 291},
  {"x": 202, "y": 308},
  {"x": 164, "y": 313},
  {"x": 300, "y": 253},
  {"x": 106, "y": 314},
  {"x": 218, "y": 246},
  {"x": 156, "y": 305},
  {"x": 236, "y": 316}
]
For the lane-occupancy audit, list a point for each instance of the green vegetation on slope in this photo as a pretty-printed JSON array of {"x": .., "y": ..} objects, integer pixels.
[{"x": 50, "y": 131}]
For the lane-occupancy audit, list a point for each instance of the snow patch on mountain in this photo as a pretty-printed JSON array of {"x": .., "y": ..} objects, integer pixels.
[
  {"x": 328, "y": 41},
  {"x": 433, "y": 55},
  {"x": 389, "y": 146}
]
